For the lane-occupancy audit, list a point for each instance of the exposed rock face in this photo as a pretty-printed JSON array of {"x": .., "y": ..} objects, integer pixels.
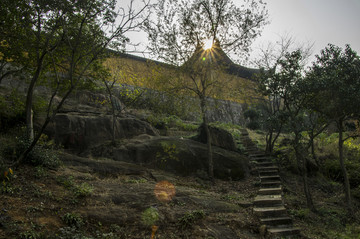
[
  {"x": 180, "y": 156},
  {"x": 219, "y": 137},
  {"x": 80, "y": 132}
]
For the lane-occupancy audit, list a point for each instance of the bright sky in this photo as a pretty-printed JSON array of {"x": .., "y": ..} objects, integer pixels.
[{"x": 315, "y": 21}]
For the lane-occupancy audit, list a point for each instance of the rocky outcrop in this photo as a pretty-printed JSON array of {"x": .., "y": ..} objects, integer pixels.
[
  {"x": 80, "y": 132},
  {"x": 181, "y": 156},
  {"x": 219, "y": 137}
]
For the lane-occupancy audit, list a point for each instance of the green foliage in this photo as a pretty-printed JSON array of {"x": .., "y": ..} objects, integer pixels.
[
  {"x": 165, "y": 122},
  {"x": 150, "y": 216},
  {"x": 11, "y": 109},
  {"x": 70, "y": 233},
  {"x": 32, "y": 234},
  {"x": 254, "y": 116},
  {"x": 80, "y": 191},
  {"x": 301, "y": 214},
  {"x": 73, "y": 220},
  {"x": 41, "y": 154},
  {"x": 190, "y": 218},
  {"x": 83, "y": 190},
  {"x": 169, "y": 152},
  {"x": 6, "y": 176},
  {"x": 136, "y": 181},
  {"x": 350, "y": 232}
]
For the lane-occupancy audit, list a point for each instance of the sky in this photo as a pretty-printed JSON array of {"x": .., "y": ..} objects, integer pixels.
[
  {"x": 317, "y": 22},
  {"x": 313, "y": 21}
]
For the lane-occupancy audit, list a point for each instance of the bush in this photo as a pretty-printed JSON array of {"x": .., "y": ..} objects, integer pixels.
[{"x": 39, "y": 156}]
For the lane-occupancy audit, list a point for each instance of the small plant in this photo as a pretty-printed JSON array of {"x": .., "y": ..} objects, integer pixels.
[
  {"x": 40, "y": 172},
  {"x": 137, "y": 181},
  {"x": 73, "y": 220},
  {"x": 31, "y": 235},
  {"x": 80, "y": 191},
  {"x": 190, "y": 218},
  {"x": 6, "y": 178},
  {"x": 150, "y": 216},
  {"x": 301, "y": 213},
  {"x": 83, "y": 190}
]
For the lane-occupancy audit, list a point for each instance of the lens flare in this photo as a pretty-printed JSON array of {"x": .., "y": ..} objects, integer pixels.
[{"x": 164, "y": 191}]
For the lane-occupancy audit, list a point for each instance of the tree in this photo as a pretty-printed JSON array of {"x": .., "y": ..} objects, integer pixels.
[
  {"x": 335, "y": 80},
  {"x": 287, "y": 86},
  {"x": 14, "y": 28},
  {"x": 179, "y": 31},
  {"x": 71, "y": 38},
  {"x": 273, "y": 119}
]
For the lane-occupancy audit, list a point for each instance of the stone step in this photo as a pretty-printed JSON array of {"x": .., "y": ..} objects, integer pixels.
[
  {"x": 275, "y": 221},
  {"x": 287, "y": 231},
  {"x": 258, "y": 154},
  {"x": 270, "y": 191},
  {"x": 267, "y": 200},
  {"x": 271, "y": 178},
  {"x": 265, "y": 164},
  {"x": 272, "y": 184},
  {"x": 269, "y": 173},
  {"x": 262, "y": 160},
  {"x": 267, "y": 212},
  {"x": 260, "y": 169}
]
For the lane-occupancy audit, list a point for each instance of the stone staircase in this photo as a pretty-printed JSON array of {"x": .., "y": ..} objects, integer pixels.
[{"x": 268, "y": 204}]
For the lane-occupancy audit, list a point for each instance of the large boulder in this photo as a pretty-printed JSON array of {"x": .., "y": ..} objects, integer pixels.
[
  {"x": 180, "y": 156},
  {"x": 219, "y": 137},
  {"x": 80, "y": 132}
]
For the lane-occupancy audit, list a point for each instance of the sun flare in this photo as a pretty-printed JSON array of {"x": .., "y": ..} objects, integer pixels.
[{"x": 208, "y": 43}]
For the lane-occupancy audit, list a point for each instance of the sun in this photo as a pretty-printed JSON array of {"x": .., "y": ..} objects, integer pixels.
[{"x": 208, "y": 43}]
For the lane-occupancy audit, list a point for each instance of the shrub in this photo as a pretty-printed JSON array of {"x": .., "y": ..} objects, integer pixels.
[{"x": 39, "y": 156}]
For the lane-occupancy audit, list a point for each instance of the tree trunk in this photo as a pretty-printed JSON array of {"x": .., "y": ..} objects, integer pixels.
[
  {"x": 208, "y": 140},
  {"x": 29, "y": 99},
  {"x": 48, "y": 119},
  {"x": 269, "y": 142},
  {"x": 343, "y": 169},
  {"x": 301, "y": 162}
]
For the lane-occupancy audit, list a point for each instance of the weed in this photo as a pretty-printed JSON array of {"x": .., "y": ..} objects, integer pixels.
[
  {"x": 40, "y": 172},
  {"x": 70, "y": 233},
  {"x": 31, "y": 235},
  {"x": 80, "y": 191},
  {"x": 83, "y": 190},
  {"x": 73, "y": 220},
  {"x": 232, "y": 197},
  {"x": 190, "y": 218},
  {"x": 300, "y": 213},
  {"x": 150, "y": 216},
  {"x": 137, "y": 181}
]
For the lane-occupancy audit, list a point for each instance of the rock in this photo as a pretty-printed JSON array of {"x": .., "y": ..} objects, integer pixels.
[
  {"x": 219, "y": 137},
  {"x": 80, "y": 132},
  {"x": 104, "y": 168},
  {"x": 180, "y": 156}
]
